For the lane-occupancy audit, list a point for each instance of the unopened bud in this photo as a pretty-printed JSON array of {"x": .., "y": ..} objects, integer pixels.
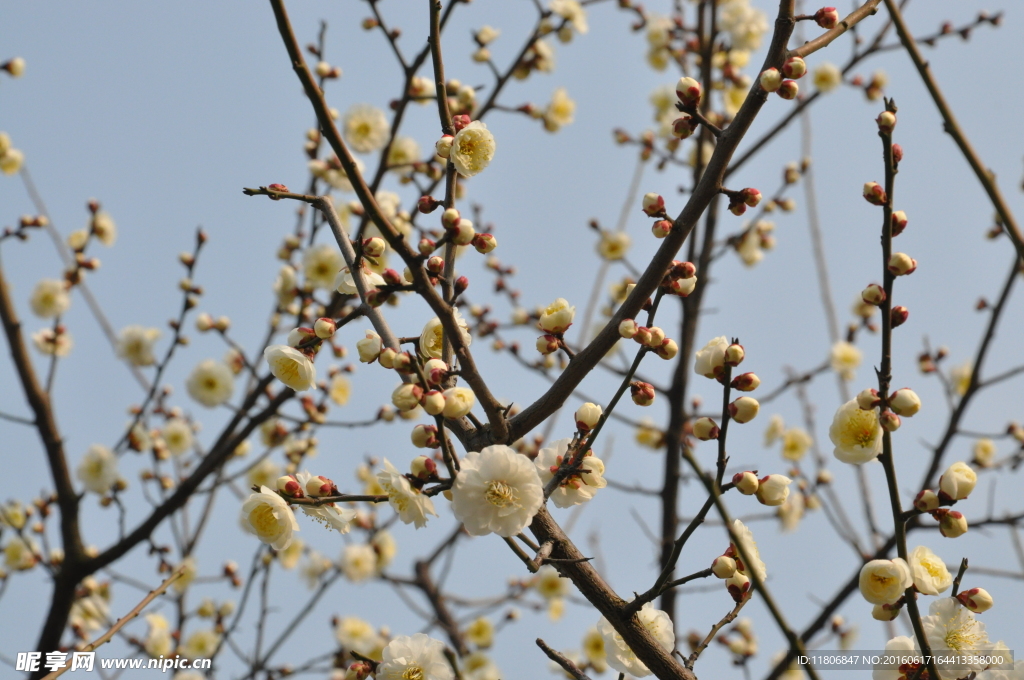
[
  {"x": 770, "y": 79},
  {"x": 789, "y": 89},
  {"x": 874, "y": 193},
  {"x": 723, "y": 567},
  {"x": 450, "y": 218},
  {"x": 705, "y": 429},
  {"x": 289, "y": 486},
  {"x": 435, "y": 265},
  {"x": 433, "y": 402},
  {"x": 874, "y": 294},
  {"x": 794, "y": 67},
  {"x": 905, "y": 402},
  {"x": 746, "y": 482},
  {"x": 683, "y": 287},
  {"x": 746, "y": 382},
  {"x": 661, "y": 228},
  {"x": 899, "y": 222},
  {"x": 656, "y": 337},
  {"x": 901, "y": 264},
  {"x": 885, "y": 612},
  {"x": 886, "y": 121},
  {"x": 587, "y": 416},
  {"x": 738, "y": 586},
  {"x": 826, "y": 17},
  {"x": 734, "y": 355},
  {"x": 953, "y": 524},
  {"x": 375, "y": 246},
  {"x": 428, "y": 204},
  {"x": 387, "y": 357},
  {"x": 889, "y": 421},
  {"x": 484, "y": 243},
  {"x": 653, "y": 205},
  {"x": 443, "y": 146},
  {"x": 684, "y": 126},
  {"x": 547, "y": 344},
  {"x": 689, "y": 91},
  {"x": 423, "y": 467},
  {"x": 424, "y": 436},
  {"x": 926, "y": 500},
  {"x": 628, "y": 328},
  {"x": 744, "y": 409},
  {"x": 668, "y": 349},
  {"x": 204, "y": 322},
  {"x": 976, "y": 599},
  {"x": 319, "y": 486},
  {"x": 898, "y": 315},
  {"x": 868, "y": 399},
  {"x": 897, "y": 153},
  {"x": 642, "y": 393},
  {"x": 324, "y": 328}
]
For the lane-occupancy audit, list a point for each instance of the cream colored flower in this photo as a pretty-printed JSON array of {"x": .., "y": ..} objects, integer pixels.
[
  {"x": 291, "y": 367},
  {"x": 498, "y": 490},
  {"x": 647, "y": 434},
  {"x": 201, "y": 644},
  {"x": 189, "y": 570},
  {"x": 270, "y": 518},
  {"x": 613, "y": 245},
  {"x": 358, "y": 562},
  {"x": 576, "y": 489},
  {"x": 210, "y": 383},
  {"x": 50, "y": 298},
  {"x": 749, "y": 545},
  {"x": 432, "y": 336},
  {"x": 950, "y": 627},
  {"x": 369, "y": 347},
  {"x": 411, "y": 505},
  {"x": 559, "y": 111},
  {"x": 960, "y": 376},
  {"x": 158, "y": 640},
  {"x": 984, "y": 452},
  {"x": 827, "y": 77},
  {"x": 883, "y": 581},
  {"x": 710, "y": 360},
  {"x": 593, "y": 650},
  {"x": 20, "y": 554},
  {"x": 98, "y": 469},
  {"x": 264, "y": 473},
  {"x": 458, "y": 401},
  {"x": 773, "y": 490},
  {"x": 90, "y": 613},
  {"x": 403, "y": 153},
  {"x": 340, "y": 389},
  {"x": 345, "y": 282},
  {"x": 744, "y": 23},
  {"x": 775, "y": 430},
  {"x": 472, "y": 149},
  {"x": 958, "y": 481},
  {"x": 356, "y": 635},
  {"x": 620, "y": 656},
  {"x": 557, "y": 317},
  {"x": 749, "y": 248},
  {"x": 52, "y": 344},
  {"x": 313, "y": 568},
  {"x": 11, "y": 161},
  {"x": 856, "y": 434},
  {"x": 365, "y": 128},
  {"x": 844, "y": 359},
  {"x": 320, "y": 264},
  {"x": 795, "y": 443},
  {"x": 385, "y": 546},
  {"x": 135, "y": 345},
  {"x": 479, "y": 666},
  {"x": 930, "y": 574},
  {"x": 573, "y": 12},
  {"x": 104, "y": 228},
  {"x": 480, "y": 632},
  {"x": 792, "y": 511},
  {"x": 289, "y": 557},
  {"x": 550, "y": 585},
  {"x": 177, "y": 435},
  {"x": 415, "y": 657}
]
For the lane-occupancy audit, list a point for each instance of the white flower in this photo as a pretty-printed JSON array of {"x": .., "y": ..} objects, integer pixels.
[
  {"x": 52, "y": 344},
  {"x": 264, "y": 473},
  {"x": 403, "y": 153},
  {"x": 369, "y": 347},
  {"x": 201, "y": 644},
  {"x": 898, "y": 646},
  {"x": 960, "y": 376},
  {"x": 432, "y": 336},
  {"x": 884, "y": 581},
  {"x": 930, "y": 574},
  {"x": 479, "y": 666},
  {"x": 320, "y": 264},
  {"x": 104, "y": 228},
  {"x": 98, "y": 469},
  {"x": 557, "y": 317},
  {"x": 744, "y": 23},
  {"x": 289, "y": 557},
  {"x": 356, "y": 635},
  {"x": 795, "y": 443},
  {"x": 411, "y": 505},
  {"x": 472, "y": 148},
  {"x": 827, "y": 77},
  {"x": 417, "y": 656},
  {"x": 776, "y": 427},
  {"x": 950, "y": 627},
  {"x": 497, "y": 490},
  {"x": 856, "y": 434},
  {"x": 710, "y": 360},
  {"x": 365, "y": 128},
  {"x": 571, "y": 11},
  {"x": 211, "y": 383},
  {"x": 749, "y": 248},
  {"x": 189, "y": 570},
  {"x": 50, "y": 299},
  {"x": 844, "y": 359},
  {"x": 90, "y": 613},
  {"x": 345, "y": 282},
  {"x": 749, "y": 545},
  {"x": 314, "y": 566},
  {"x": 158, "y": 640},
  {"x": 792, "y": 511},
  {"x": 984, "y": 452},
  {"x": 284, "y": 285},
  {"x": 773, "y": 490},
  {"x": 11, "y": 160},
  {"x": 559, "y": 111},
  {"x": 958, "y": 481},
  {"x": 593, "y": 650},
  {"x": 385, "y": 546},
  {"x": 620, "y": 656},
  {"x": 20, "y": 554},
  {"x": 613, "y": 245},
  {"x": 178, "y": 436},
  {"x": 270, "y": 518},
  {"x": 576, "y": 489},
  {"x": 358, "y": 562},
  {"x": 291, "y": 367},
  {"x": 135, "y": 345},
  {"x": 549, "y": 584},
  {"x": 340, "y": 389},
  {"x": 458, "y": 401}
]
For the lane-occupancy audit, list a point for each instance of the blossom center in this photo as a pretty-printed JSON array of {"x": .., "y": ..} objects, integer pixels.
[
  {"x": 962, "y": 636},
  {"x": 501, "y": 495},
  {"x": 413, "y": 673},
  {"x": 264, "y": 521}
]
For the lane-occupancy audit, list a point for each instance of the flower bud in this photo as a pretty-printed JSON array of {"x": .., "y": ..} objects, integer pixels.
[
  {"x": 899, "y": 222},
  {"x": 683, "y": 287},
  {"x": 628, "y": 328},
  {"x": 794, "y": 67},
  {"x": 656, "y": 337},
  {"x": 204, "y": 322},
  {"x": 683, "y": 270},
  {"x": 689, "y": 91},
  {"x": 403, "y": 363},
  {"x": 874, "y": 193},
  {"x": 428, "y": 204},
  {"x": 642, "y": 393},
  {"x": 885, "y": 612},
  {"x": 901, "y": 264},
  {"x": 926, "y": 500},
  {"x": 299, "y": 336},
  {"x": 668, "y": 349},
  {"x": 461, "y": 121},
  {"x": 953, "y": 524},
  {"x": 433, "y": 402},
  {"x": 746, "y": 482},
  {"x": 443, "y": 146},
  {"x": 874, "y": 294},
  {"x": 359, "y": 670},
  {"x": 905, "y": 402},
  {"x": 976, "y": 599},
  {"x": 886, "y": 121},
  {"x": 458, "y": 401},
  {"x": 450, "y": 217},
  {"x": 898, "y": 316},
  {"x": 661, "y": 228},
  {"x": 423, "y": 467},
  {"x": 824, "y": 477},
  {"x": 653, "y": 205},
  {"x": 868, "y": 399},
  {"x": 750, "y": 196},
  {"x": 684, "y": 126},
  {"x": 587, "y": 417},
  {"x": 424, "y": 436},
  {"x": 289, "y": 486},
  {"x": 705, "y": 429},
  {"x": 734, "y": 355},
  {"x": 723, "y": 567},
  {"x": 770, "y": 79},
  {"x": 744, "y": 409},
  {"x": 827, "y": 17},
  {"x": 435, "y": 370},
  {"x": 324, "y": 328},
  {"x": 773, "y": 490},
  {"x": 319, "y": 486},
  {"x": 435, "y": 265},
  {"x": 406, "y": 396},
  {"x": 462, "y": 233},
  {"x": 889, "y": 421},
  {"x": 546, "y": 344},
  {"x": 737, "y": 207},
  {"x": 738, "y": 586},
  {"x": 746, "y": 382},
  {"x": 387, "y": 357},
  {"x": 643, "y": 335},
  {"x": 957, "y": 482},
  {"x": 789, "y": 89},
  {"x": 392, "y": 278},
  {"x": 484, "y": 243}
]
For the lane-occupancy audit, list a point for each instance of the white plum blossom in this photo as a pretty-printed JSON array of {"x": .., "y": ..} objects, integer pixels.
[
  {"x": 414, "y": 657},
  {"x": 572, "y": 11},
  {"x": 898, "y": 646},
  {"x": 98, "y": 469},
  {"x": 270, "y": 518},
  {"x": 827, "y": 77},
  {"x": 458, "y": 401},
  {"x": 958, "y": 481},
  {"x": 744, "y": 23},
  {"x": 320, "y": 264},
  {"x": 50, "y": 298},
  {"x": 135, "y": 345},
  {"x": 856, "y": 434},
  {"x": 357, "y": 635},
  {"x": 104, "y": 228},
  {"x": 345, "y": 282},
  {"x": 559, "y": 111},
  {"x": 576, "y": 489},
  {"x": 844, "y": 359},
  {"x": 930, "y": 574},
  {"x": 358, "y": 562},
  {"x": 211, "y": 383},
  {"x": 177, "y": 435},
  {"x": 52, "y": 344},
  {"x": 473, "y": 148},
  {"x": 365, "y": 128},
  {"x": 201, "y": 644},
  {"x": 410, "y": 504},
  {"x": 498, "y": 490},
  {"x": 330, "y": 515},
  {"x": 620, "y": 656},
  {"x": 884, "y": 581},
  {"x": 291, "y": 367},
  {"x": 432, "y": 336},
  {"x": 557, "y": 317},
  {"x": 710, "y": 360},
  {"x": 950, "y": 628},
  {"x": 753, "y": 562}
]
